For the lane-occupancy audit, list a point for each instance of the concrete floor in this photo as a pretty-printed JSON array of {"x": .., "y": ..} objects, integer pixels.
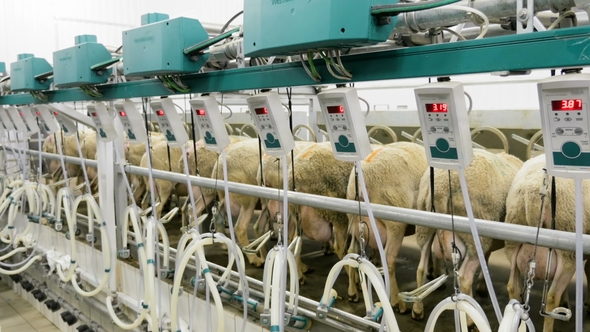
[{"x": 17, "y": 315}]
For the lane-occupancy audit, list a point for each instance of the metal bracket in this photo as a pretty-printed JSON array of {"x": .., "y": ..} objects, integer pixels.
[{"x": 525, "y": 16}]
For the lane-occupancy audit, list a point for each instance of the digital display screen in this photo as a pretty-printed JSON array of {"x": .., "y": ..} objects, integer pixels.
[
  {"x": 261, "y": 111},
  {"x": 436, "y": 108},
  {"x": 201, "y": 112},
  {"x": 56, "y": 113},
  {"x": 336, "y": 109},
  {"x": 567, "y": 105},
  {"x": 38, "y": 113},
  {"x": 160, "y": 113},
  {"x": 122, "y": 113}
]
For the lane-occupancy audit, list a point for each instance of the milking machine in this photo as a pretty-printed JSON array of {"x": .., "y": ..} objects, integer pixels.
[
  {"x": 176, "y": 135},
  {"x": 350, "y": 142},
  {"x": 24, "y": 200},
  {"x": 48, "y": 116},
  {"x": 272, "y": 126},
  {"x": 564, "y": 102},
  {"x": 447, "y": 141}
]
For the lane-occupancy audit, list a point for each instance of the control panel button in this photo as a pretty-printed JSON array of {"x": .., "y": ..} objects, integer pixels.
[
  {"x": 559, "y": 131},
  {"x": 571, "y": 150},
  {"x": 270, "y": 138},
  {"x": 578, "y": 131},
  {"x": 343, "y": 140},
  {"x": 442, "y": 145},
  {"x": 556, "y": 119}
]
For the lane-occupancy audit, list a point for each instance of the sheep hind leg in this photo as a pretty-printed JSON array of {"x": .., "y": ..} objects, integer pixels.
[
  {"x": 421, "y": 275},
  {"x": 558, "y": 287},
  {"x": 353, "y": 277},
  {"x": 395, "y": 237},
  {"x": 244, "y": 218}
]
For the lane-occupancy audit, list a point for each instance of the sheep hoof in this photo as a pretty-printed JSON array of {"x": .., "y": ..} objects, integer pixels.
[
  {"x": 417, "y": 316},
  {"x": 354, "y": 298},
  {"x": 302, "y": 281},
  {"x": 401, "y": 308}
]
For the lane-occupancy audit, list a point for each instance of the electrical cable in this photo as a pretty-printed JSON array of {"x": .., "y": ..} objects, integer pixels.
[
  {"x": 229, "y": 22},
  {"x": 486, "y": 21},
  {"x": 396, "y": 9},
  {"x": 562, "y": 17}
]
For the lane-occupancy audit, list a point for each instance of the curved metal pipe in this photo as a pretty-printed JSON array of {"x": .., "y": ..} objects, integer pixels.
[
  {"x": 530, "y": 146},
  {"x": 248, "y": 125},
  {"x": 229, "y": 129},
  {"x": 496, "y": 132},
  {"x": 386, "y": 129},
  {"x": 297, "y": 127}
]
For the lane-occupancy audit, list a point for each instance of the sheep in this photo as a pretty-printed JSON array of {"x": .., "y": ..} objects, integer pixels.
[
  {"x": 134, "y": 152},
  {"x": 318, "y": 172},
  {"x": 69, "y": 148},
  {"x": 523, "y": 205},
  {"x": 160, "y": 161},
  {"x": 273, "y": 178},
  {"x": 206, "y": 160},
  {"x": 242, "y": 165},
  {"x": 392, "y": 174},
  {"x": 488, "y": 177}
]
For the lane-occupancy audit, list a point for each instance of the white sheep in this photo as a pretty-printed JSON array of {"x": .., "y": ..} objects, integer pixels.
[
  {"x": 160, "y": 161},
  {"x": 69, "y": 148},
  {"x": 273, "y": 178},
  {"x": 488, "y": 177},
  {"x": 242, "y": 164},
  {"x": 206, "y": 160},
  {"x": 392, "y": 174},
  {"x": 523, "y": 206}
]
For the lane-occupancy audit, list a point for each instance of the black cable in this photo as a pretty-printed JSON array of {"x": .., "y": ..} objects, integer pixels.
[
  {"x": 196, "y": 162},
  {"x": 230, "y": 20},
  {"x": 398, "y": 8}
]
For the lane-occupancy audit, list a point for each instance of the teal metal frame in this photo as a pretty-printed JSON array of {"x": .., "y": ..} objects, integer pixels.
[{"x": 548, "y": 49}]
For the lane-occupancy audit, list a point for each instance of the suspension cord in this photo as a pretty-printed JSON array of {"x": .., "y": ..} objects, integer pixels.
[
  {"x": 456, "y": 260},
  {"x": 553, "y": 212},
  {"x": 197, "y": 163},
  {"x": 293, "y": 187}
]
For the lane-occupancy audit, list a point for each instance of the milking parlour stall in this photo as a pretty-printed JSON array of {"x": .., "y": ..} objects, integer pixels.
[{"x": 295, "y": 165}]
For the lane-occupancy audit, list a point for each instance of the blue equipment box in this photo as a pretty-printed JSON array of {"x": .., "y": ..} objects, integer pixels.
[
  {"x": 287, "y": 27},
  {"x": 72, "y": 65},
  {"x": 156, "y": 48},
  {"x": 24, "y": 71}
]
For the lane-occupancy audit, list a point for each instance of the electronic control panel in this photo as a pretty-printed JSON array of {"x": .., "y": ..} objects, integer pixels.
[
  {"x": 564, "y": 102},
  {"x": 46, "y": 119},
  {"x": 445, "y": 125},
  {"x": 170, "y": 122},
  {"x": 132, "y": 121},
  {"x": 16, "y": 119},
  {"x": 210, "y": 123},
  {"x": 7, "y": 124},
  {"x": 345, "y": 124},
  {"x": 272, "y": 122},
  {"x": 67, "y": 125},
  {"x": 26, "y": 114},
  {"x": 101, "y": 118}
]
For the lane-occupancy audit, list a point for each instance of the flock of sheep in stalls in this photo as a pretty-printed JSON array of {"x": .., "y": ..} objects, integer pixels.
[{"x": 502, "y": 188}]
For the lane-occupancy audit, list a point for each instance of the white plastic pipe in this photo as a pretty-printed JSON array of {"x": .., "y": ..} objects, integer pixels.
[
  {"x": 94, "y": 211},
  {"x": 482, "y": 258},
  {"x": 579, "y": 256},
  {"x": 465, "y": 305}
]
